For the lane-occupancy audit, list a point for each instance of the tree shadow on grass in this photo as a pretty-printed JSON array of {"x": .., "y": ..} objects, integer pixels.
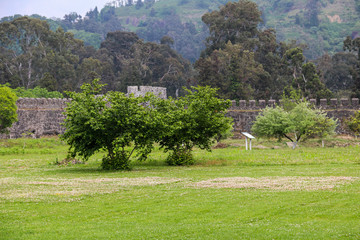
[{"x": 136, "y": 166}]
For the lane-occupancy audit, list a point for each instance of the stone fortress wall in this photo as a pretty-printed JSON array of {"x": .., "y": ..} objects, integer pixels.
[
  {"x": 40, "y": 117},
  {"x": 245, "y": 112}
]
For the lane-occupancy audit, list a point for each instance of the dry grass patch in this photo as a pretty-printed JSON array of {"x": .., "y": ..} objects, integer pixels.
[
  {"x": 41, "y": 189},
  {"x": 277, "y": 183}
]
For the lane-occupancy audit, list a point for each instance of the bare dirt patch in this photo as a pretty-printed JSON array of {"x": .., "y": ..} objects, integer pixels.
[
  {"x": 335, "y": 18},
  {"x": 220, "y": 145},
  {"x": 277, "y": 183},
  {"x": 253, "y": 146}
]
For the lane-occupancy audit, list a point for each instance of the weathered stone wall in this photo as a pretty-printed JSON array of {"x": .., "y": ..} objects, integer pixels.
[
  {"x": 244, "y": 113},
  {"x": 40, "y": 117}
]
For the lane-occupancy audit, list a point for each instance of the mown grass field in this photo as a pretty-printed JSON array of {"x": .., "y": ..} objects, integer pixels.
[{"x": 272, "y": 192}]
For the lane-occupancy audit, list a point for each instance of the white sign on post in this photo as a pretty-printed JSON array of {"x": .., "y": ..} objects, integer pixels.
[{"x": 247, "y": 136}]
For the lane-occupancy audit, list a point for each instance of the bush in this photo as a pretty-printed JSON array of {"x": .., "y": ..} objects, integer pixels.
[
  {"x": 180, "y": 158},
  {"x": 118, "y": 162}
]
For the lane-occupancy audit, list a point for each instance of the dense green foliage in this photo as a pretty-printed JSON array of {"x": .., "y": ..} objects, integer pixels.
[
  {"x": 235, "y": 59},
  {"x": 193, "y": 120},
  {"x": 305, "y": 75},
  {"x": 299, "y": 122},
  {"x": 245, "y": 62},
  {"x": 36, "y": 92},
  {"x": 235, "y": 22},
  {"x": 111, "y": 122},
  {"x": 135, "y": 62},
  {"x": 8, "y": 108},
  {"x": 322, "y": 25},
  {"x": 33, "y": 55}
]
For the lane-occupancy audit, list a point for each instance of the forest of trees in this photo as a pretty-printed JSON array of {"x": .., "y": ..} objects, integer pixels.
[
  {"x": 240, "y": 57},
  {"x": 33, "y": 55}
]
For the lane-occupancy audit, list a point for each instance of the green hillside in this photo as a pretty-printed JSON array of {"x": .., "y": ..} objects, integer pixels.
[{"x": 320, "y": 24}]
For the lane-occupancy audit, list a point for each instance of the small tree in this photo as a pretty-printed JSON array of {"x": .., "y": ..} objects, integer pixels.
[
  {"x": 300, "y": 122},
  {"x": 272, "y": 122},
  {"x": 193, "y": 120},
  {"x": 8, "y": 108},
  {"x": 323, "y": 127},
  {"x": 354, "y": 123},
  {"x": 116, "y": 123}
]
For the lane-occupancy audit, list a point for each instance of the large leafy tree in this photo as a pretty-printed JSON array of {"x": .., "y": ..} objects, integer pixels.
[
  {"x": 236, "y": 22},
  {"x": 193, "y": 120},
  {"x": 8, "y": 108},
  {"x": 234, "y": 71},
  {"x": 31, "y": 55},
  {"x": 114, "y": 122},
  {"x": 22, "y": 44},
  {"x": 242, "y": 60},
  {"x": 305, "y": 76},
  {"x": 145, "y": 63},
  {"x": 338, "y": 71}
]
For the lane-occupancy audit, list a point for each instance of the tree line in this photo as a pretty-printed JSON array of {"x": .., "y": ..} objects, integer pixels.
[
  {"x": 241, "y": 59},
  {"x": 33, "y": 55}
]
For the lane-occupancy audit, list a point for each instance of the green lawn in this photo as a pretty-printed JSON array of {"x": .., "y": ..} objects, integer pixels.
[{"x": 307, "y": 193}]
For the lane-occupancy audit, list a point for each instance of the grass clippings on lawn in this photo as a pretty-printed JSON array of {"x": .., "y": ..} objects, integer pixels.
[
  {"x": 277, "y": 183},
  {"x": 45, "y": 187}
]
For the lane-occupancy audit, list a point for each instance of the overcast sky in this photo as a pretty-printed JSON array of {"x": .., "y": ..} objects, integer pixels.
[{"x": 48, "y": 8}]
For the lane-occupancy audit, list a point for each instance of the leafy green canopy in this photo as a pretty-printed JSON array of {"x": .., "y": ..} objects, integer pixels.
[
  {"x": 33, "y": 55},
  {"x": 300, "y": 122},
  {"x": 7, "y": 108},
  {"x": 114, "y": 122},
  {"x": 37, "y": 92},
  {"x": 193, "y": 120}
]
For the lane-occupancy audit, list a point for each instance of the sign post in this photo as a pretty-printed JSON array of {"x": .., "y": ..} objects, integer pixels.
[{"x": 247, "y": 136}]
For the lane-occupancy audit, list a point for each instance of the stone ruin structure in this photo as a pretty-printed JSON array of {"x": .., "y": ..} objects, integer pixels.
[
  {"x": 40, "y": 117},
  {"x": 157, "y": 91}
]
